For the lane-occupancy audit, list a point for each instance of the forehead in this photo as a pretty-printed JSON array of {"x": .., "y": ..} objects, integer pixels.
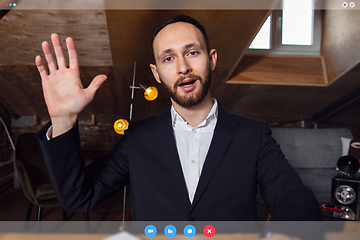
[{"x": 177, "y": 35}]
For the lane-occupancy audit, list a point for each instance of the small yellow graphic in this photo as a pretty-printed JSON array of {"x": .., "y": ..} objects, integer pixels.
[
  {"x": 151, "y": 93},
  {"x": 120, "y": 126}
]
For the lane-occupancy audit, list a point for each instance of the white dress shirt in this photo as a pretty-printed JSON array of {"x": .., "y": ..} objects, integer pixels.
[{"x": 193, "y": 144}]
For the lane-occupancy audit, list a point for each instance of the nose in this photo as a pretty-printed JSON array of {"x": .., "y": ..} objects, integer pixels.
[{"x": 183, "y": 66}]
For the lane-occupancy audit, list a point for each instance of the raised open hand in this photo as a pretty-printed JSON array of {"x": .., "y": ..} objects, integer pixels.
[{"x": 64, "y": 93}]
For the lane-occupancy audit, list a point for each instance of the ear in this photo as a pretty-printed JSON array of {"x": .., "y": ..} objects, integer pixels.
[
  {"x": 213, "y": 58},
  {"x": 155, "y": 72}
]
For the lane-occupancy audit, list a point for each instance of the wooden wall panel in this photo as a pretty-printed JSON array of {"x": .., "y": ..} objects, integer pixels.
[
  {"x": 23, "y": 31},
  {"x": 340, "y": 41}
]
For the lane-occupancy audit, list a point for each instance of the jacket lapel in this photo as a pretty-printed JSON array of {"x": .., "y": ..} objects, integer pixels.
[
  {"x": 164, "y": 135},
  {"x": 223, "y": 135}
]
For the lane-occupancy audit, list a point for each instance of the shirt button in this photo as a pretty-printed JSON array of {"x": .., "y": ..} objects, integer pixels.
[
  {"x": 194, "y": 131},
  {"x": 193, "y": 161}
]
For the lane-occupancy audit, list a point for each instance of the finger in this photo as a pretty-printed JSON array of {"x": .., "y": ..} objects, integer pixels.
[
  {"x": 41, "y": 67},
  {"x": 94, "y": 85},
  {"x": 73, "y": 58},
  {"x": 59, "y": 52},
  {"x": 49, "y": 57}
]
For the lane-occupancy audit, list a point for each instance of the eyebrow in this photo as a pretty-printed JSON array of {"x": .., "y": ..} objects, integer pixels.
[{"x": 187, "y": 46}]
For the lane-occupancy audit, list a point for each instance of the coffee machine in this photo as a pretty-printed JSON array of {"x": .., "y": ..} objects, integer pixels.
[{"x": 345, "y": 188}]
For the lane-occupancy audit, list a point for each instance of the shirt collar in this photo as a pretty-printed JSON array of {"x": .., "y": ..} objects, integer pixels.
[{"x": 213, "y": 114}]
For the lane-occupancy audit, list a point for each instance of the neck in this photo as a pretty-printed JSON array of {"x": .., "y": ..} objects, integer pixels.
[{"x": 196, "y": 114}]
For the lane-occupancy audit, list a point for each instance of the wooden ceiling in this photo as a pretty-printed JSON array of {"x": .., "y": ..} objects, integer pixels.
[{"x": 110, "y": 41}]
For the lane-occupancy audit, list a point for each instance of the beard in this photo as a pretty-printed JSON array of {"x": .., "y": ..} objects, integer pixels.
[{"x": 193, "y": 98}]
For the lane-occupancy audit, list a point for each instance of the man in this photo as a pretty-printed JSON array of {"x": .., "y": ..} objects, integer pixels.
[{"x": 194, "y": 161}]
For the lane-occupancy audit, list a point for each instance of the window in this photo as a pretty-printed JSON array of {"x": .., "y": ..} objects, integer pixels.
[
  {"x": 263, "y": 38},
  {"x": 291, "y": 31}
]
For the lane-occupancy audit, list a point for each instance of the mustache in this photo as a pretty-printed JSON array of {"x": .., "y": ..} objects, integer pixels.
[{"x": 191, "y": 75}]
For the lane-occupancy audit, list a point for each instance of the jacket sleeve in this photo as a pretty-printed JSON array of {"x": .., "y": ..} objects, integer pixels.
[
  {"x": 78, "y": 189},
  {"x": 281, "y": 187}
]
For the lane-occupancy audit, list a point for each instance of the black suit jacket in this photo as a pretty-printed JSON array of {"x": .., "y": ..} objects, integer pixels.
[{"x": 242, "y": 154}]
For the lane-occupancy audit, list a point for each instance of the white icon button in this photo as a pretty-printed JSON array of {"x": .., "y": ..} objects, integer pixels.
[
  {"x": 352, "y": 4},
  {"x": 344, "y": 4}
]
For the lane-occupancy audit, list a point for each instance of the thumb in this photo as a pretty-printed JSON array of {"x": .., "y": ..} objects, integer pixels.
[{"x": 95, "y": 84}]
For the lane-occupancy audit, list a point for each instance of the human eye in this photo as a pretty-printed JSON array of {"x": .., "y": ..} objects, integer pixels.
[
  {"x": 167, "y": 59},
  {"x": 193, "y": 53}
]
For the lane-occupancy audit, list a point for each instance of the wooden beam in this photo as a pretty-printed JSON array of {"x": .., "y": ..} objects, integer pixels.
[{"x": 280, "y": 70}]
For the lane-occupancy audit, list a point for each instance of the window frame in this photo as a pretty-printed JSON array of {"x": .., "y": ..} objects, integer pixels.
[{"x": 276, "y": 46}]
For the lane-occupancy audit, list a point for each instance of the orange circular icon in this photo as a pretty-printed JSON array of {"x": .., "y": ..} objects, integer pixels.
[
  {"x": 120, "y": 126},
  {"x": 151, "y": 93}
]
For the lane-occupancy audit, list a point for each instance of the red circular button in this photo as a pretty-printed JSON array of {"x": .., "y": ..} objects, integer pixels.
[{"x": 209, "y": 230}]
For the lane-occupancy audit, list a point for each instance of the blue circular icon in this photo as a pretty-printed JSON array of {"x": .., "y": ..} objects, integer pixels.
[
  {"x": 170, "y": 231},
  {"x": 150, "y": 231},
  {"x": 189, "y": 231}
]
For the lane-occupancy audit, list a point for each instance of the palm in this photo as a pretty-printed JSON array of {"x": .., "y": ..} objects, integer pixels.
[{"x": 64, "y": 94}]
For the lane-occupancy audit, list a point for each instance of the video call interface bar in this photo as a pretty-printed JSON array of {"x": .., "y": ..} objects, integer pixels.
[
  {"x": 181, "y": 4},
  {"x": 212, "y": 229}
]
